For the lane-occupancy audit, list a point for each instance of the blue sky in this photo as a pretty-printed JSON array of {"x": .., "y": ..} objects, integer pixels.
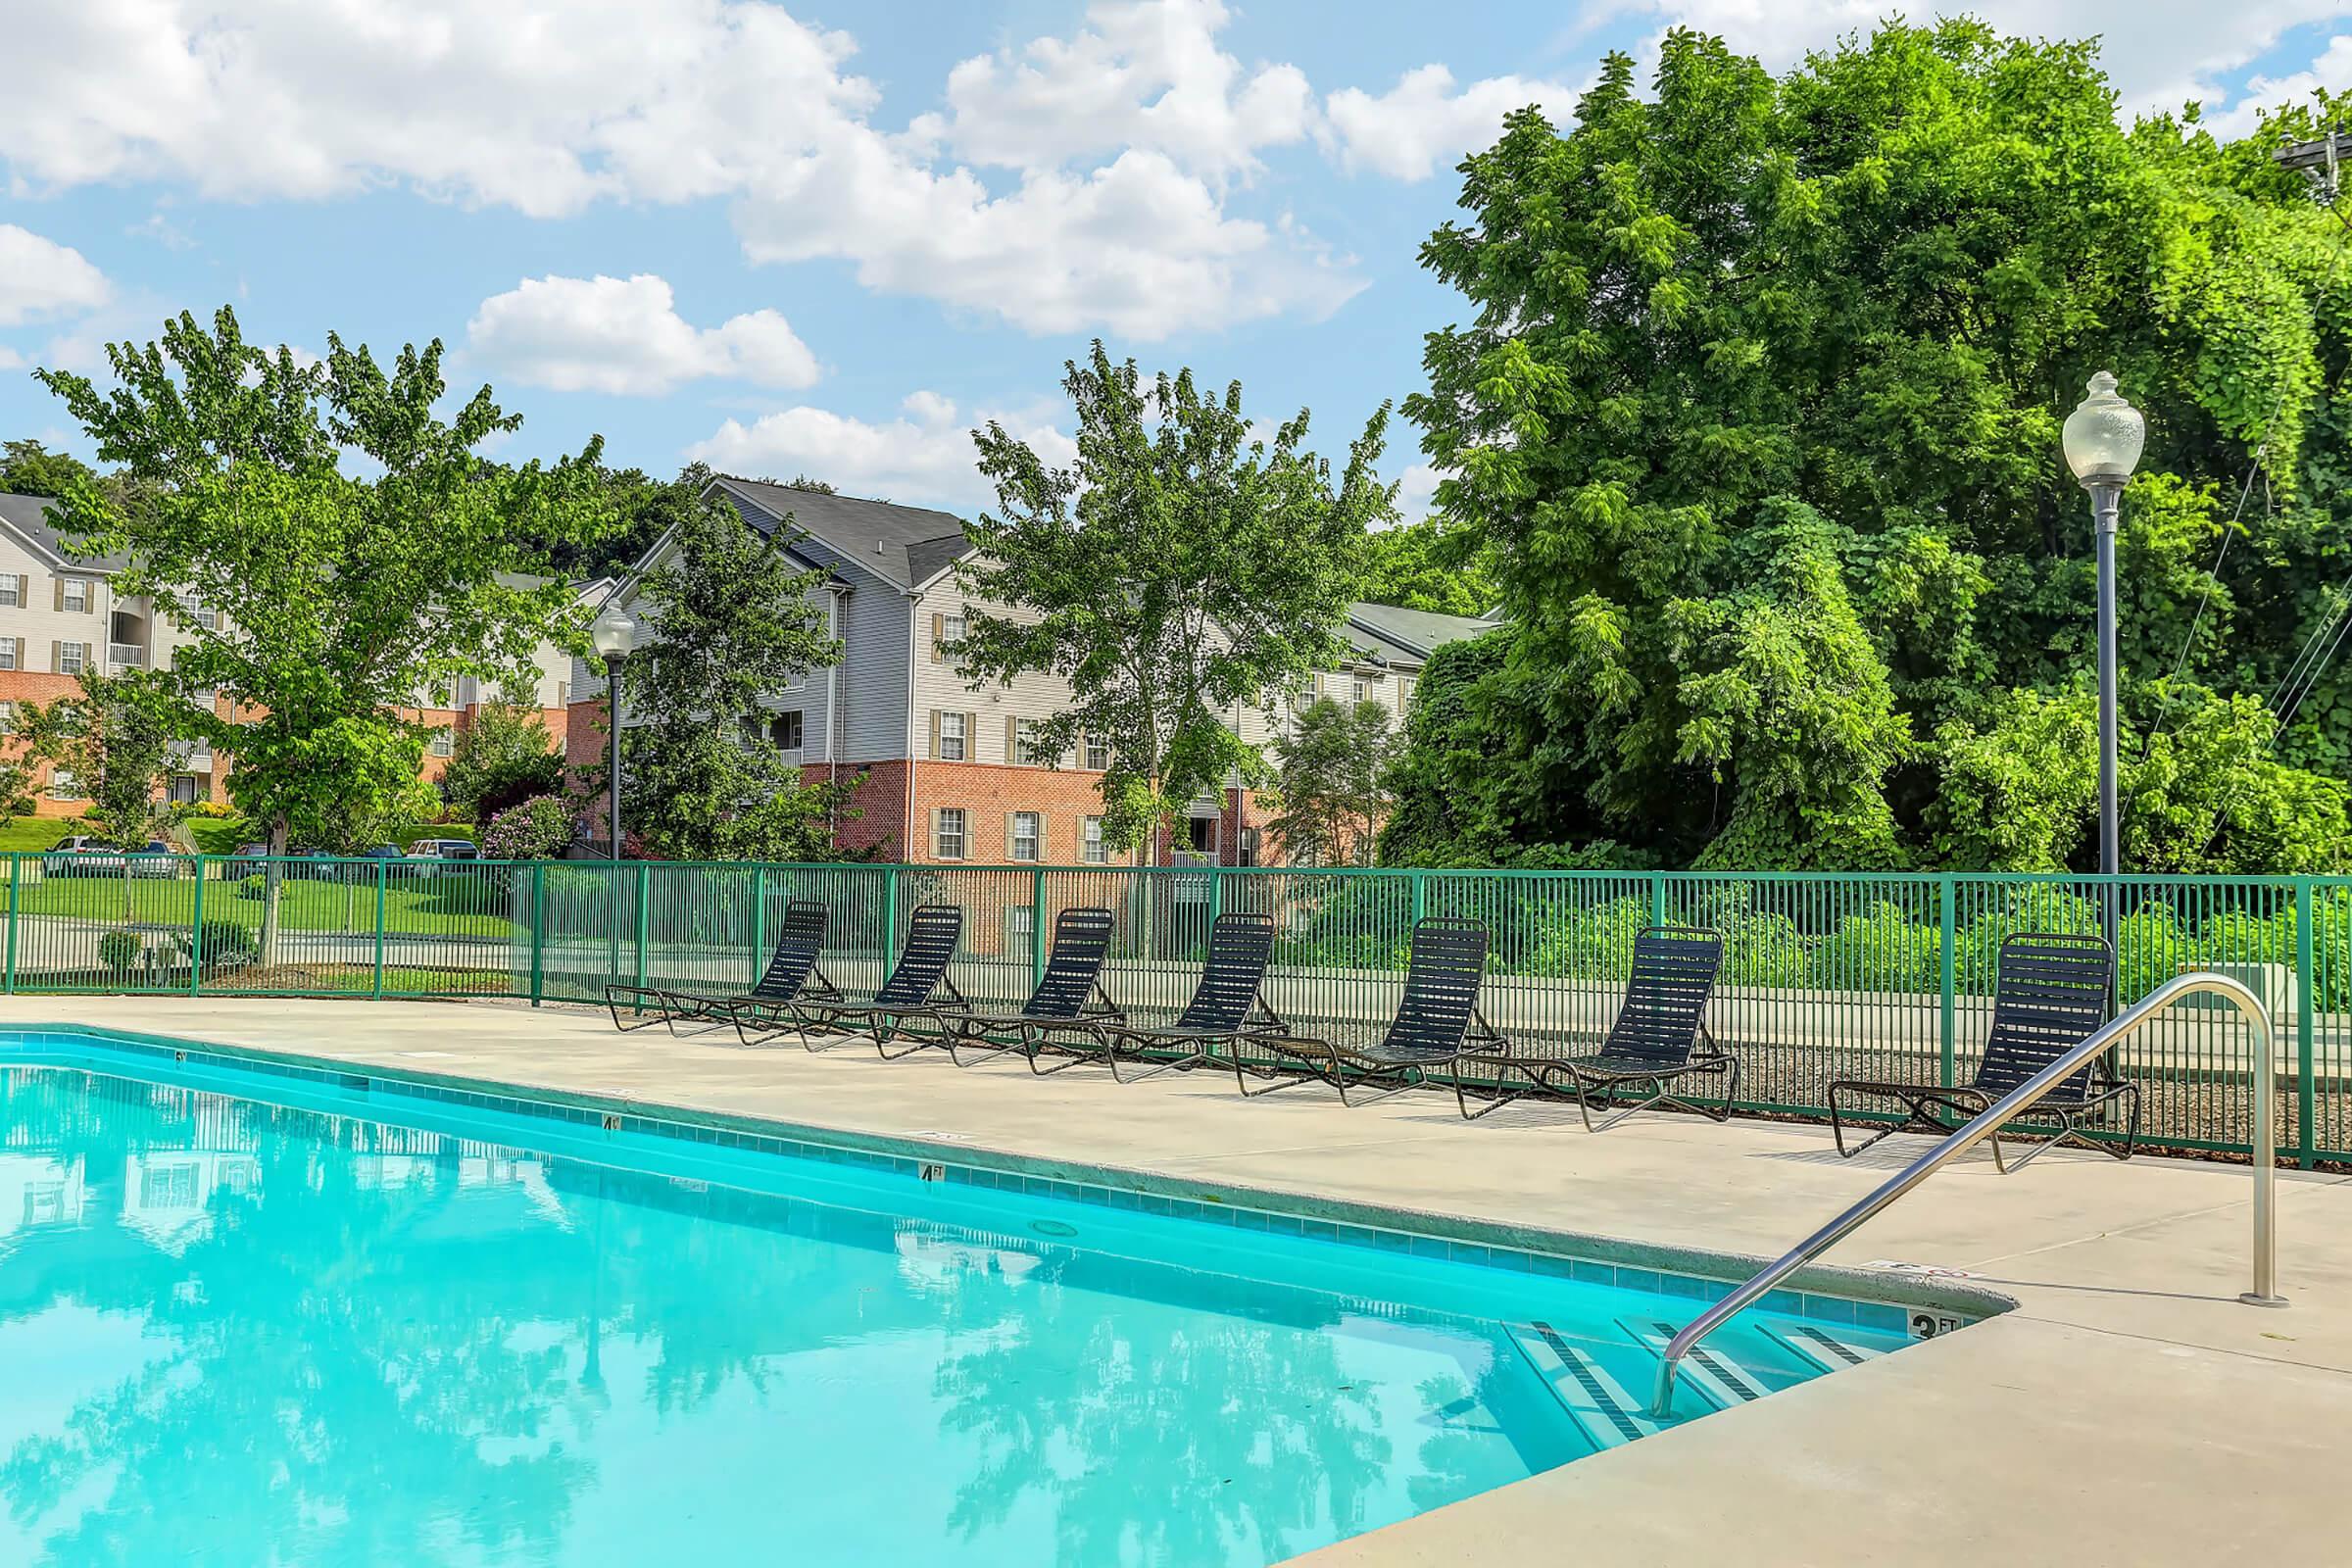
[{"x": 828, "y": 237}]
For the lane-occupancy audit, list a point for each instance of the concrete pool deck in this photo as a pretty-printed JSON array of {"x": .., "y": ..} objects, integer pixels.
[{"x": 2130, "y": 1412}]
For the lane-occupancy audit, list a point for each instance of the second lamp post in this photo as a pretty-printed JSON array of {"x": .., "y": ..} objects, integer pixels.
[
  {"x": 2102, "y": 439},
  {"x": 614, "y": 634}
]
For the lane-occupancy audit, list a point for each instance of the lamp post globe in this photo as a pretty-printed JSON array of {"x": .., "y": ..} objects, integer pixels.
[{"x": 2102, "y": 440}]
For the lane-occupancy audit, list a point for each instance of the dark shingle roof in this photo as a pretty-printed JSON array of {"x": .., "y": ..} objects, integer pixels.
[
  {"x": 1421, "y": 632},
  {"x": 903, "y": 545},
  {"x": 29, "y": 515}
]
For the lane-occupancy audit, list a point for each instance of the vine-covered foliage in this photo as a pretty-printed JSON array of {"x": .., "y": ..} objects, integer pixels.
[{"x": 1754, "y": 419}]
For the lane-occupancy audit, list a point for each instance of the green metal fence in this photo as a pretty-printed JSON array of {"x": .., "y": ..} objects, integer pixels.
[{"x": 1824, "y": 975}]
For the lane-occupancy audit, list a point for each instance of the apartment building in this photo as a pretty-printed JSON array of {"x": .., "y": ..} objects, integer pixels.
[
  {"x": 952, "y": 773},
  {"x": 60, "y": 616}
]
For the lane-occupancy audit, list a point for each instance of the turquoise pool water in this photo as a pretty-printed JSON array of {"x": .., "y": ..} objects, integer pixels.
[{"x": 265, "y": 1327}]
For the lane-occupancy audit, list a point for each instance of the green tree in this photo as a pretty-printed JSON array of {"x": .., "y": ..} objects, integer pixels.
[
  {"x": 1432, "y": 564},
  {"x": 1333, "y": 782},
  {"x": 503, "y": 757},
  {"x": 119, "y": 741},
  {"x": 732, "y": 620},
  {"x": 28, "y": 468},
  {"x": 1756, "y": 414},
  {"x": 339, "y": 599},
  {"x": 1179, "y": 574}
]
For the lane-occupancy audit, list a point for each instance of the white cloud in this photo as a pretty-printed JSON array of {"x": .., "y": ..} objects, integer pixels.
[
  {"x": 624, "y": 336},
  {"x": 925, "y": 456},
  {"x": 1417, "y": 492},
  {"x": 10, "y": 359},
  {"x": 1138, "y": 75},
  {"x": 39, "y": 276},
  {"x": 1423, "y": 124},
  {"x": 2332, "y": 69}
]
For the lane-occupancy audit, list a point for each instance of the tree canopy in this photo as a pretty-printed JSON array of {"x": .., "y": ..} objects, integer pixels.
[
  {"x": 1182, "y": 573},
  {"x": 732, "y": 621},
  {"x": 332, "y": 549},
  {"x": 1756, "y": 415},
  {"x": 1333, "y": 783},
  {"x": 1431, "y": 565}
]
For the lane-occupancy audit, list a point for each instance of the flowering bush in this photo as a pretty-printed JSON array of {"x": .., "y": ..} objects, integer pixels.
[{"x": 533, "y": 830}]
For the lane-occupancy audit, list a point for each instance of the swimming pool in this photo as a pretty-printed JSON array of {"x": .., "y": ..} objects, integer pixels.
[{"x": 264, "y": 1315}]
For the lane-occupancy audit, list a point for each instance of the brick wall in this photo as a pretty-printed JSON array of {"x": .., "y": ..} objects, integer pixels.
[{"x": 988, "y": 792}]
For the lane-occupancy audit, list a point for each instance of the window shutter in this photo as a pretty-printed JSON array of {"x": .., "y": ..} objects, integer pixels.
[
  {"x": 1012, "y": 734},
  {"x": 1008, "y": 835},
  {"x": 57, "y": 654},
  {"x": 89, "y": 596},
  {"x": 935, "y": 832},
  {"x": 935, "y": 753},
  {"x": 939, "y": 632},
  {"x": 59, "y": 583},
  {"x": 971, "y": 737}
]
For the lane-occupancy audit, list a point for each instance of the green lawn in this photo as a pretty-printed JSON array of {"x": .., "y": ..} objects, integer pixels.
[
  {"x": 453, "y": 904},
  {"x": 38, "y": 832}
]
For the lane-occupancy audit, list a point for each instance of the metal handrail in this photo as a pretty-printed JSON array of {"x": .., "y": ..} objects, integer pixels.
[{"x": 2022, "y": 1096}]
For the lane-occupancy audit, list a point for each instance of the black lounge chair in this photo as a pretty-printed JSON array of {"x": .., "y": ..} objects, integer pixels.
[
  {"x": 791, "y": 974},
  {"x": 932, "y": 932},
  {"x": 1654, "y": 1042},
  {"x": 1436, "y": 1024},
  {"x": 2050, "y": 994},
  {"x": 1226, "y": 1008},
  {"x": 1065, "y": 997}
]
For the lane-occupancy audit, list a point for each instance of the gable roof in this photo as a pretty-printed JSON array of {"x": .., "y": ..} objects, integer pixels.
[
  {"x": 27, "y": 517},
  {"x": 1417, "y": 632},
  {"x": 905, "y": 546}
]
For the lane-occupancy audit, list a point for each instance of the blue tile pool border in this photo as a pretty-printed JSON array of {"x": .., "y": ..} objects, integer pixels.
[{"x": 1891, "y": 1305}]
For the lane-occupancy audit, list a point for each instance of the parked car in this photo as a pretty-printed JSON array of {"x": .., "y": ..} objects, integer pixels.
[
  {"x": 441, "y": 853},
  {"x": 79, "y": 855}
]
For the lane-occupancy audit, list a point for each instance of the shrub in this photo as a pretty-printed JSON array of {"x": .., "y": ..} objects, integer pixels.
[
  {"x": 255, "y": 886},
  {"x": 119, "y": 951},
  {"x": 227, "y": 944},
  {"x": 539, "y": 827}
]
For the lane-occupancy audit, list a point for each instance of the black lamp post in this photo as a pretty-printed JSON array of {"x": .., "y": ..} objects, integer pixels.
[
  {"x": 615, "y": 633},
  {"x": 2102, "y": 439}
]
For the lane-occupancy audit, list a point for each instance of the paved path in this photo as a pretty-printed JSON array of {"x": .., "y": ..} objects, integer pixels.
[{"x": 2131, "y": 1412}]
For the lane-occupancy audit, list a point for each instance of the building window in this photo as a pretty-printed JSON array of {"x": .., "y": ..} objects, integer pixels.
[
  {"x": 563, "y": 699},
  {"x": 206, "y": 619},
  {"x": 71, "y": 657},
  {"x": 7, "y": 719},
  {"x": 1098, "y": 754},
  {"x": 1020, "y": 927},
  {"x": 75, "y": 595},
  {"x": 946, "y": 838},
  {"x": 63, "y": 785},
  {"x": 12, "y": 590},
  {"x": 1246, "y": 846},
  {"x": 444, "y": 742},
  {"x": 1090, "y": 840},
  {"x": 1026, "y": 831},
  {"x": 785, "y": 730},
  {"x": 8, "y": 652},
  {"x": 951, "y": 739},
  {"x": 1024, "y": 743},
  {"x": 1359, "y": 691}
]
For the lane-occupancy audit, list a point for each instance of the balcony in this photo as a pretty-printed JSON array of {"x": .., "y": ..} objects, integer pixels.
[{"x": 121, "y": 656}]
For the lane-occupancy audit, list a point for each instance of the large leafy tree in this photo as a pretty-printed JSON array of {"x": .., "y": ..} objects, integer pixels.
[
  {"x": 504, "y": 756},
  {"x": 1333, "y": 782},
  {"x": 1431, "y": 565},
  {"x": 1757, "y": 412},
  {"x": 732, "y": 620},
  {"x": 357, "y": 551},
  {"x": 119, "y": 740},
  {"x": 1181, "y": 572}
]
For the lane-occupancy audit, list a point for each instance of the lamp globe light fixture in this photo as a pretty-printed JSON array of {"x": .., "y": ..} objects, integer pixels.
[
  {"x": 614, "y": 634},
  {"x": 2102, "y": 439}
]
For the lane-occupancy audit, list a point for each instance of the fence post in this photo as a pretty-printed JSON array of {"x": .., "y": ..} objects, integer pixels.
[
  {"x": 538, "y": 932},
  {"x": 383, "y": 880},
  {"x": 1420, "y": 897},
  {"x": 759, "y": 922},
  {"x": 2306, "y": 1135},
  {"x": 890, "y": 917},
  {"x": 1658, "y": 898},
  {"x": 15, "y": 876},
  {"x": 1037, "y": 927},
  {"x": 1948, "y": 963},
  {"x": 645, "y": 883},
  {"x": 196, "y": 936}
]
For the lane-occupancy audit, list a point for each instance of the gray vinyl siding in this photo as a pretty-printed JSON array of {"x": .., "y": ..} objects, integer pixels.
[{"x": 873, "y": 674}]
